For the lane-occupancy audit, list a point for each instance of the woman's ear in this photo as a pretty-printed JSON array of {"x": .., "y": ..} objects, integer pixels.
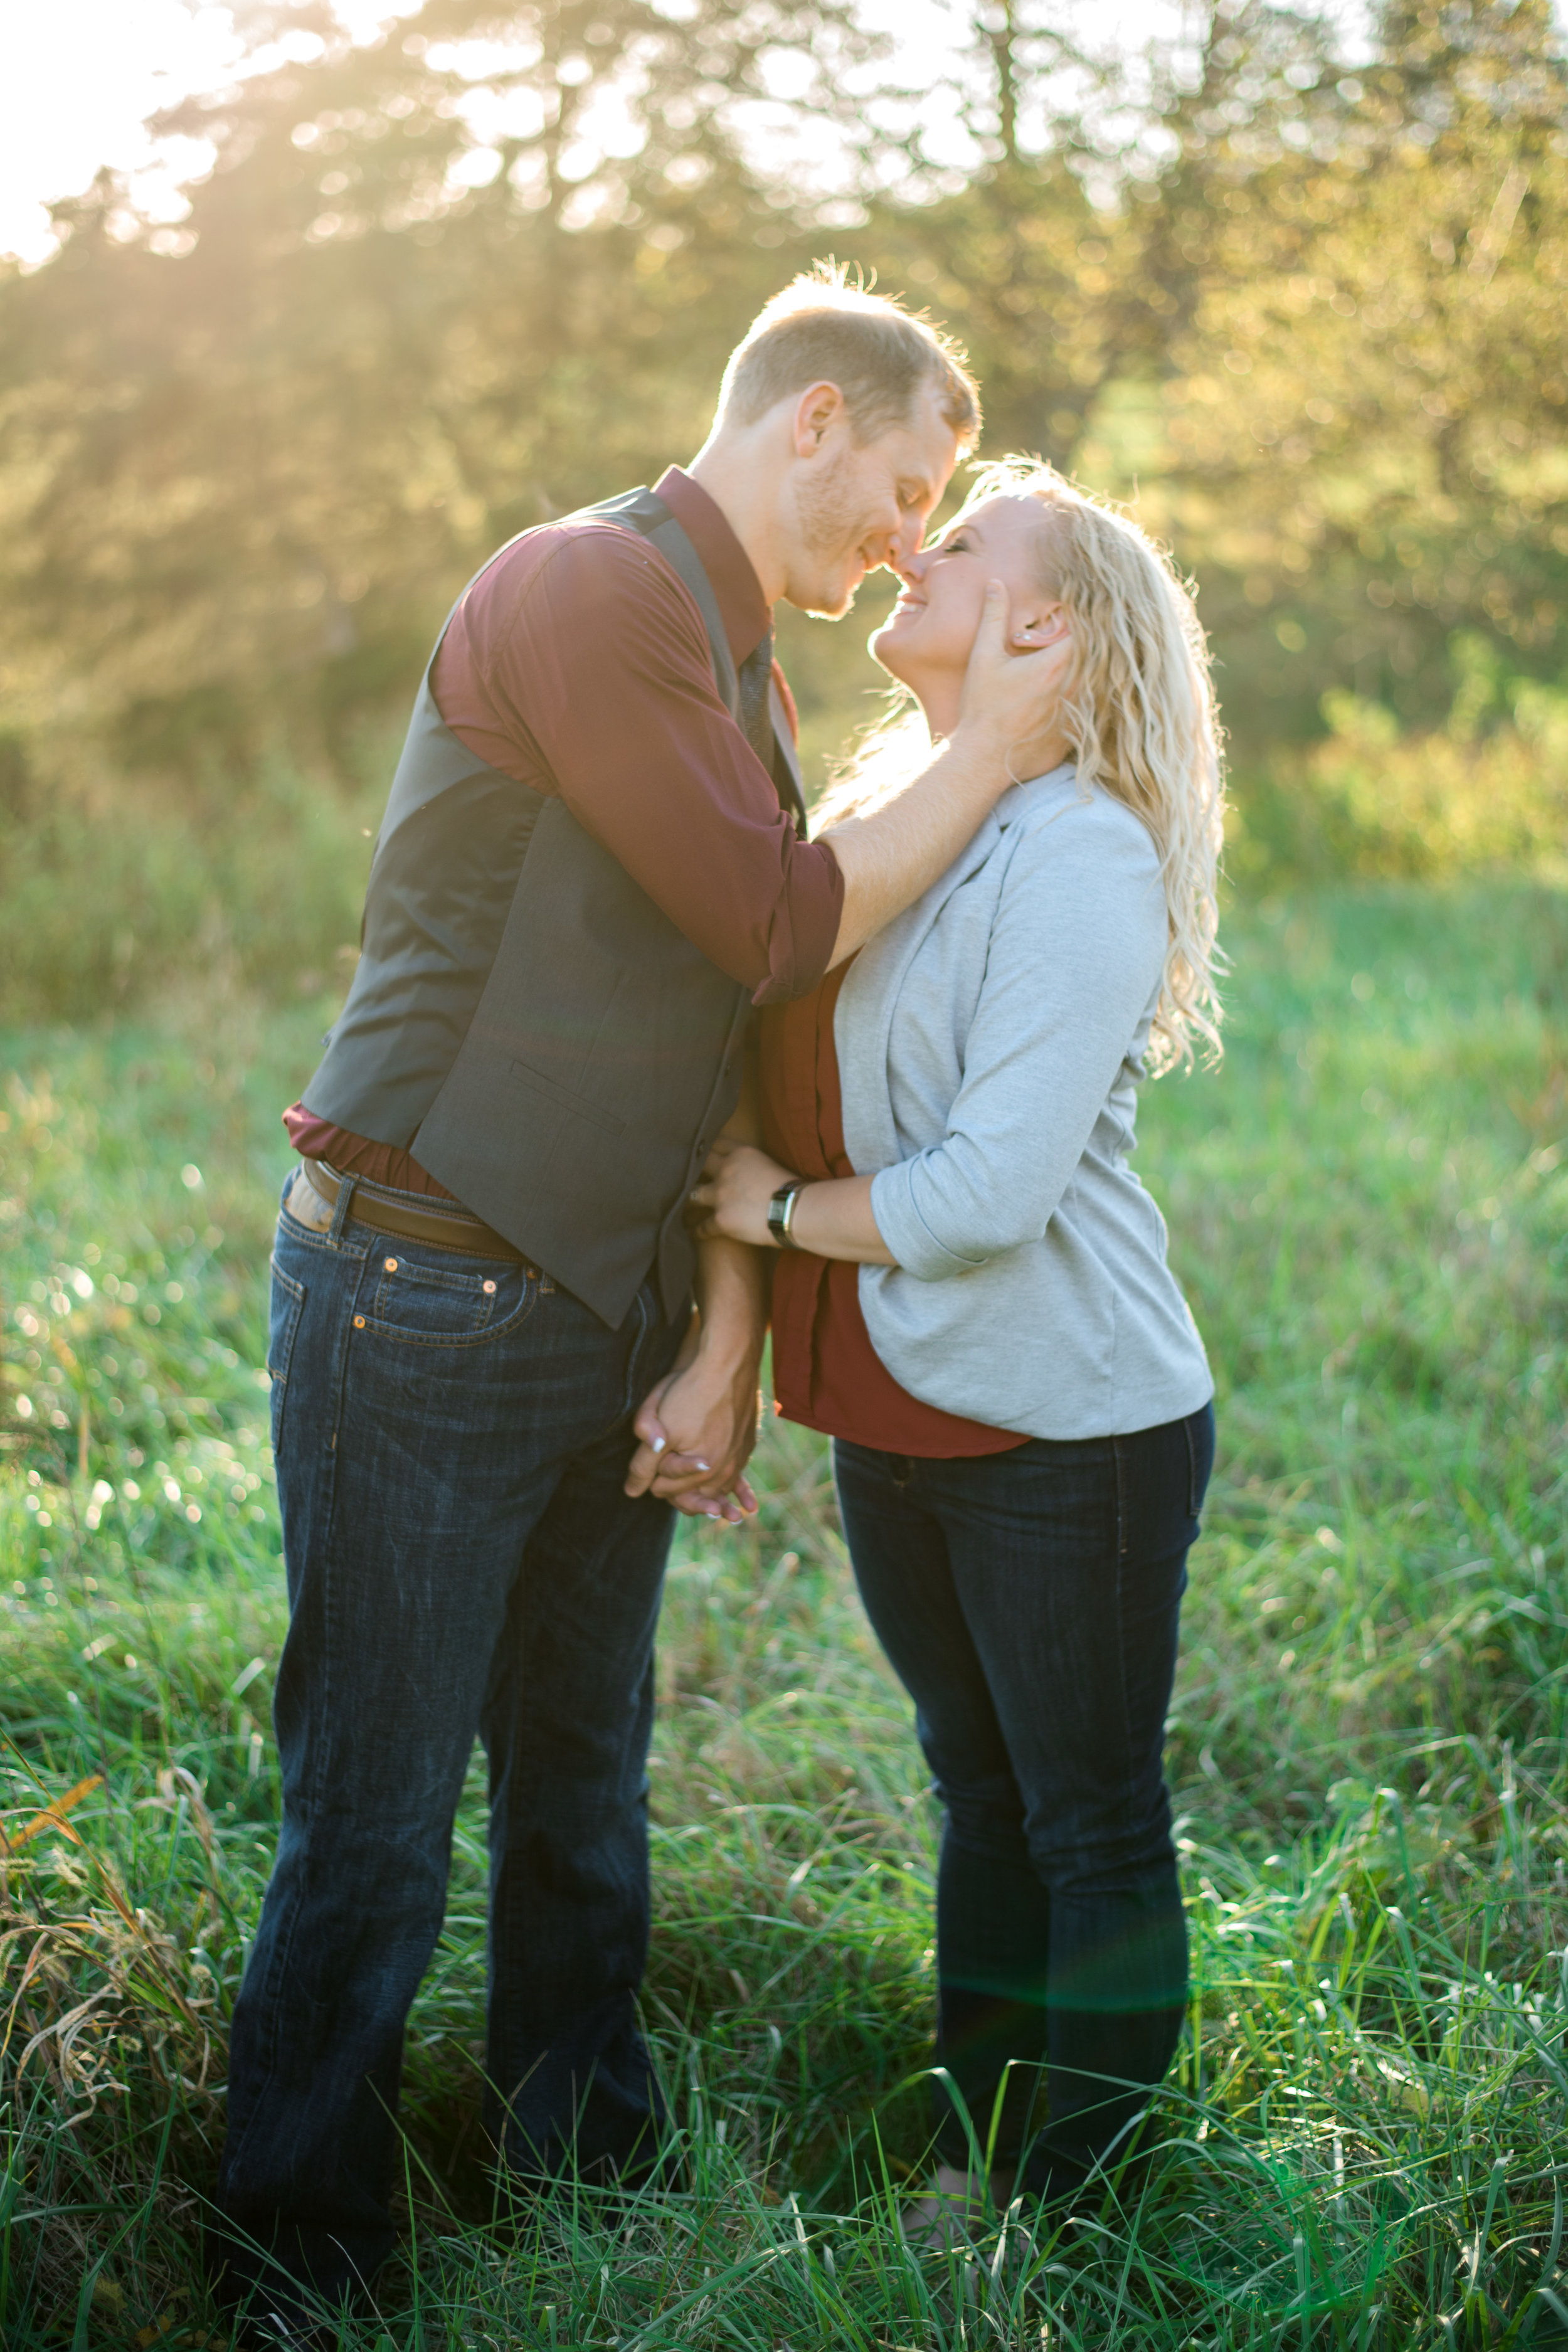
[{"x": 1043, "y": 625}]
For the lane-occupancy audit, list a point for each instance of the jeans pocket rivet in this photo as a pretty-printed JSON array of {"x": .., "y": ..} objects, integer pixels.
[
  {"x": 490, "y": 1290},
  {"x": 391, "y": 1265},
  {"x": 358, "y": 1322}
]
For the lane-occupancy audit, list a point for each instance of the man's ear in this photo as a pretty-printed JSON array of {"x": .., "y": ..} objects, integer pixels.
[{"x": 818, "y": 409}]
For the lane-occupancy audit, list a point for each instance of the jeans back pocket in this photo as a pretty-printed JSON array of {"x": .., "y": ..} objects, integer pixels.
[{"x": 282, "y": 1326}]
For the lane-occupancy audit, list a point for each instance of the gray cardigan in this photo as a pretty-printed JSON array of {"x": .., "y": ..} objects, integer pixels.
[{"x": 990, "y": 1043}]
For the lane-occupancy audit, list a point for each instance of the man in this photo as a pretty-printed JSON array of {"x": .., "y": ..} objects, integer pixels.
[{"x": 593, "y": 864}]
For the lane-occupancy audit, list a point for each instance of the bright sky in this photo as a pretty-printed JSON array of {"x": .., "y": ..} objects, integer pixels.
[{"x": 78, "y": 78}]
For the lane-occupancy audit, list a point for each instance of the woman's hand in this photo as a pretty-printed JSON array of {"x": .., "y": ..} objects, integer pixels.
[
  {"x": 737, "y": 1184},
  {"x": 833, "y": 1217}
]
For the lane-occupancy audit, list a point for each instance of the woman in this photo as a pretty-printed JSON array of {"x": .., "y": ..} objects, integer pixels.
[{"x": 972, "y": 1300}]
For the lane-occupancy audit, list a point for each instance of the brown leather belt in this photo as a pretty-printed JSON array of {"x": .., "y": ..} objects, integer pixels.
[{"x": 451, "y": 1229}]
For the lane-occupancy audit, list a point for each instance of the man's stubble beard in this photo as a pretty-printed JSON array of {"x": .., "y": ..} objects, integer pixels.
[{"x": 832, "y": 521}]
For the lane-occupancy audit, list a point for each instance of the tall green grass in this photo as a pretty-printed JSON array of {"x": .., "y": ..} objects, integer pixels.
[
  {"x": 113, "y": 891},
  {"x": 1364, "y": 2138}
]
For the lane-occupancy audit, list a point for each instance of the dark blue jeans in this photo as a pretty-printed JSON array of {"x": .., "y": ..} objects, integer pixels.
[
  {"x": 1029, "y": 1603},
  {"x": 451, "y": 1435}
]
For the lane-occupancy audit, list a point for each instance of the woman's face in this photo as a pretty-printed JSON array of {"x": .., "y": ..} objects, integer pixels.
[{"x": 927, "y": 641}]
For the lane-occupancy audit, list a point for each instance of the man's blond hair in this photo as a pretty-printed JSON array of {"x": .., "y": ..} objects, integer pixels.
[{"x": 827, "y": 328}]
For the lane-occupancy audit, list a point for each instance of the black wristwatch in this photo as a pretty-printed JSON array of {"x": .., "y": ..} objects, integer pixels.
[{"x": 781, "y": 1213}]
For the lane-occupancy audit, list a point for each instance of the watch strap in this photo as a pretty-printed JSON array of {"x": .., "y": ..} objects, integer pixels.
[{"x": 781, "y": 1213}]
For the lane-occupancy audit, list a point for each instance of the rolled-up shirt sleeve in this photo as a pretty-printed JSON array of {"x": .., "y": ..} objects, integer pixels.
[
  {"x": 1076, "y": 952},
  {"x": 605, "y": 668}
]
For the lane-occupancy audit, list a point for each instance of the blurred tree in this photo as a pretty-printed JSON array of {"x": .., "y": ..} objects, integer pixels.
[
  {"x": 437, "y": 287},
  {"x": 1315, "y": 327},
  {"x": 1359, "y": 437},
  {"x": 489, "y": 266}
]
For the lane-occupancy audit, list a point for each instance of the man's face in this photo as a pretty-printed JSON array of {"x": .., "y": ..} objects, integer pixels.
[{"x": 856, "y": 505}]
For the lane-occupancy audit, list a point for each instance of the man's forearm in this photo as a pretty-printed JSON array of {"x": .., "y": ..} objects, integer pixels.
[
  {"x": 890, "y": 856},
  {"x": 732, "y": 1288},
  {"x": 1009, "y": 727},
  {"x": 733, "y": 1282}
]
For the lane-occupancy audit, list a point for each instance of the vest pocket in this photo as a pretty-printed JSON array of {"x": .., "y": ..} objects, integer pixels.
[{"x": 564, "y": 1100}]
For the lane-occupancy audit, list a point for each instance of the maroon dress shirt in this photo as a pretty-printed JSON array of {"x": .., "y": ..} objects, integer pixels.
[{"x": 578, "y": 663}]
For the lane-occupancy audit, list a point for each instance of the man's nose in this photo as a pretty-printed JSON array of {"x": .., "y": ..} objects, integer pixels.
[
  {"x": 889, "y": 544},
  {"x": 906, "y": 548}
]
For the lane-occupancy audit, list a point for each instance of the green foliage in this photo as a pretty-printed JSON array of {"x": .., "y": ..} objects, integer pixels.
[
  {"x": 429, "y": 295},
  {"x": 1489, "y": 789},
  {"x": 241, "y": 455},
  {"x": 1364, "y": 2138},
  {"x": 107, "y": 895},
  {"x": 1308, "y": 320},
  {"x": 1359, "y": 432}
]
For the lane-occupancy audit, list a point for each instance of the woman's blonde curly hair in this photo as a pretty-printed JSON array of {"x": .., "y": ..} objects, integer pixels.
[{"x": 1140, "y": 718}]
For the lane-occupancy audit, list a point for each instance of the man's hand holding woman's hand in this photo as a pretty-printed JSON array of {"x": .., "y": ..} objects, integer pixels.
[{"x": 696, "y": 1430}]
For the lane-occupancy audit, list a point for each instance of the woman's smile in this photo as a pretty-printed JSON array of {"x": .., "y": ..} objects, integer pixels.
[{"x": 944, "y": 593}]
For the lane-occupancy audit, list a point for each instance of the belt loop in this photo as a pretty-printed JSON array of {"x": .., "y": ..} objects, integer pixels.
[{"x": 347, "y": 1187}]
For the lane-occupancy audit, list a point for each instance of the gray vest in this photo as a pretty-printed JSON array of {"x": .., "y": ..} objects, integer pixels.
[{"x": 525, "y": 1019}]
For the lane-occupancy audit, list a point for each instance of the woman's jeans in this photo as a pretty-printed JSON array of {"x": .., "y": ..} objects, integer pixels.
[
  {"x": 451, "y": 1436},
  {"x": 1029, "y": 1602}
]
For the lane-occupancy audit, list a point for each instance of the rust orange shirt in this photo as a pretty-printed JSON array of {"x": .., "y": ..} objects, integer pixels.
[{"x": 825, "y": 1371}]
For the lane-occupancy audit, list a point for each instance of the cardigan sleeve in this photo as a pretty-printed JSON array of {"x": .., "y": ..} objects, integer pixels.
[{"x": 1074, "y": 958}]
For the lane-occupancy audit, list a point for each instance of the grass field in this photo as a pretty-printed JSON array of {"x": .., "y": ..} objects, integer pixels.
[{"x": 1364, "y": 2140}]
